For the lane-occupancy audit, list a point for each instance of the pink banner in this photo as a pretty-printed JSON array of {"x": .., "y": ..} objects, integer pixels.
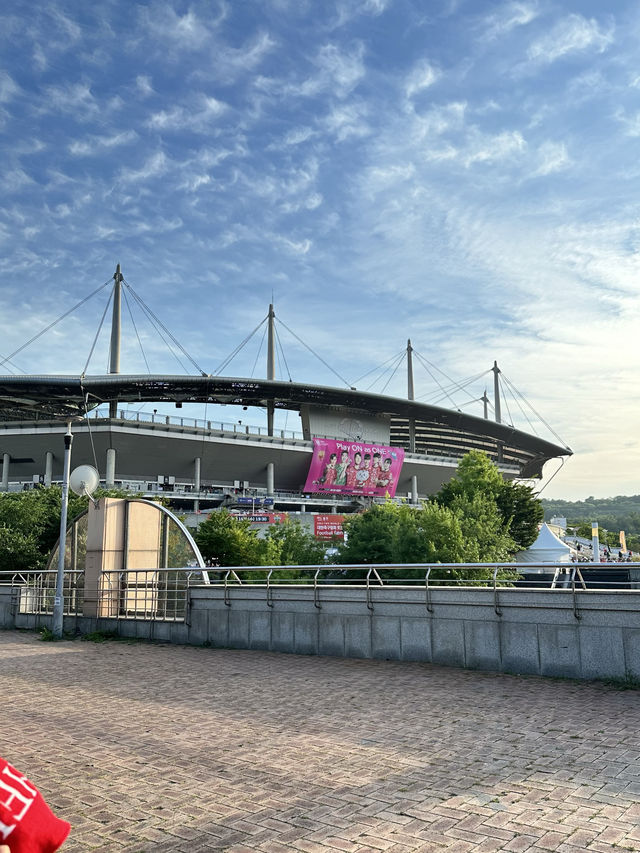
[{"x": 354, "y": 468}]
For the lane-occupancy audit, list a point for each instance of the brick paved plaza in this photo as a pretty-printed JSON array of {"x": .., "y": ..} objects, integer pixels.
[{"x": 168, "y": 748}]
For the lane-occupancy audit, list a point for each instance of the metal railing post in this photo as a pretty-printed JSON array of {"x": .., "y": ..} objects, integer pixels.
[
  {"x": 316, "y": 591},
  {"x": 495, "y": 592},
  {"x": 427, "y": 591}
]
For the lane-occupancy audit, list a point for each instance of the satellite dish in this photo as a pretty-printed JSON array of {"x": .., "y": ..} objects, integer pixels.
[{"x": 84, "y": 480}]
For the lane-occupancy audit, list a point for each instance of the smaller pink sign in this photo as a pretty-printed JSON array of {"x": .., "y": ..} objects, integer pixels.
[
  {"x": 354, "y": 468},
  {"x": 328, "y": 526}
]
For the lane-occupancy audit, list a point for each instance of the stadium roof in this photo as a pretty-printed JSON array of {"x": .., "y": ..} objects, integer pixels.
[{"x": 441, "y": 430}]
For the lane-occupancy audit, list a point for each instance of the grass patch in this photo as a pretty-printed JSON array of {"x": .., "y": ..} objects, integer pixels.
[
  {"x": 629, "y": 682},
  {"x": 47, "y": 635},
  {"x": 100, "y": 636}
]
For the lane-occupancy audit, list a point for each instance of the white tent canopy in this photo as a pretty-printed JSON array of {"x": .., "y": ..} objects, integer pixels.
[{"x": 546, "y": 549}]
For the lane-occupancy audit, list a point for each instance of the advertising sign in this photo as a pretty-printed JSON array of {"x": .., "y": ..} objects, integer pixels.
[
  {"x": 262, "y": 517},
  {"x": 328, "y": 526},
  {"x": 354, "y": 468}
]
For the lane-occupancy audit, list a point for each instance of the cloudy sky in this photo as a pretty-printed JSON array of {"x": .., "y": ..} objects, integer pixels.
[{"x": 465, "y": 173}]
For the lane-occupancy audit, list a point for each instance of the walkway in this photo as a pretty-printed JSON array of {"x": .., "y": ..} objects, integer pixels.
[{"x": 168, "y": 748}]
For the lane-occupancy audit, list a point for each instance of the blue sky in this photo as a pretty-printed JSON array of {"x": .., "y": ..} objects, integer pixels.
[{"x": 465, "y": 174}]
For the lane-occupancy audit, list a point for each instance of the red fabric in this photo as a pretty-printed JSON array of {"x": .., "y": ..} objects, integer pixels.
[{"x": 27, "y": 824}]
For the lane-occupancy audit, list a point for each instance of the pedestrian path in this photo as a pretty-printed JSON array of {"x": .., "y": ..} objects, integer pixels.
[{"x": 160, "y": 748}]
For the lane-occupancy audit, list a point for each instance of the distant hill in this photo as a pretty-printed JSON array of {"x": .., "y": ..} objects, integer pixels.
[{"x": 619, "y": 513}]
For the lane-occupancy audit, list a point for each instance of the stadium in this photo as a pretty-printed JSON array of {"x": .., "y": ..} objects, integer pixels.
[{"x": 207, "y": 462}]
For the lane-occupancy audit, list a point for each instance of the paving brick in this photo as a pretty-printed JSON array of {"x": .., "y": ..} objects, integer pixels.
[{"x": 160, "y": 748}]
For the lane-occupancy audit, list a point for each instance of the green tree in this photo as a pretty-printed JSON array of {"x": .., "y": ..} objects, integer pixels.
[
  {"x": 521, "y": 512},
  {"x": 429, "y": 534},
  {"x": 290, "y": 544},
  {"x": 229, "y": 541},
  {"x": 17, "y": 551},
  {"x": 486, "y": 538},
  {"x": 33, "y": 518},
  {"x": 371, "y": 535},
  {"x": 469, "y": 531},
  {"x": 475, "y": 473}
]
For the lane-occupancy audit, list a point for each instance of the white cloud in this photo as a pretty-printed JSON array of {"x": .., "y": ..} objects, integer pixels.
[
  {"x": 508, "y": 17},
  {"x": 76, "y": 99},
  {"x": 491, "y": 149},
  {"x": 194, "y": 182},
  {"x": 230, "y": 62},
  {"x": 631, "y": 123},
  {"x": 298, "y": 135},
  {"x": 155, "y": 166},
  {"x": 344, "y": 69},
  {"x": 339, "y": 71},
  {"x": 346, "y": 121},
  {"x": 440, "y": 120},
  {"x": 143, "y": 85},
  {"x": 422, "y": 77},
  {"x": 296, "y": 247},
  {"x": 570, "y": 35},
  {"x": 65, "y": 25},
  {"x": 552, "y": 157},
  {"x": 347, "y": 10},
  {"x": 93, "y": 144},
  {"x": 14, "y": 180},
  {"x": 183, "y": 32},
  {"x": 8, "y": 87},
  {"x": 197, "y": 116}
]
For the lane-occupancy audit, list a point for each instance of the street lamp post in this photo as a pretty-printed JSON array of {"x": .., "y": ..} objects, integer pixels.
[{"x": 58, "y": 601}]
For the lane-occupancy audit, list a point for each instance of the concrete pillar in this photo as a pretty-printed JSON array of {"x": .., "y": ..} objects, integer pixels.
[
  {"x": 5, "y": 472},
  {"x": 197, "y": 464},
  {"x": 48, "y": 468},
  {"x": 270, "y": 479},
  {"x": 111, "y": 468},
  {"x": 414, "y": 489},
  {"x": 122, "y": 536}
]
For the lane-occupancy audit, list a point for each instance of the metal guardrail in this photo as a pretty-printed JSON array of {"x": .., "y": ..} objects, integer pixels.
[
  {"x": 495, "y": 576},
  {"x": 195, "y": 423},
  {"x": 139, "y": 594},
  {"x": 163, "y": 594},
  {"x": 34, "y": 592}
]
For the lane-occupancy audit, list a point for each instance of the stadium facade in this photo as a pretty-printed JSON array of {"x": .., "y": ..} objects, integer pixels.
[{"x": 206, "y": 462}]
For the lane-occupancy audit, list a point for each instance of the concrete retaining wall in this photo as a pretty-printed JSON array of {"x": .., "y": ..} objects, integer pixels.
[{"x": 535, "y": 632}]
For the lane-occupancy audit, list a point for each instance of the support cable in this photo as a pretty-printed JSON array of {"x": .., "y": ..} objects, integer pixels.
[
  {"x": 425, "y": 364},
  {"x": 156, "y": 323},
  {"x": 135, "y": 328},
  {"x": 453, "y": 385},
  {"x": 255, "y": 363},
  {"x": 13, "y": 372},
  {"x": 537, "y": 414},
  {"x": 437, "y": 398},
  {"x": 511, "y": 390},
  {"x": 55, "y": 322},
  {"x": 384, "y": 387},
  {"x": 95, "y": 340},
  {"x": 505, "y": 399},
  {"x": 235, "y": 352},
  {"x": 85, "y": 397},
  {"x": 392, "y": 368},
  {"x": 540, "y": 491},
  {"x": 328, "y": 366},
  {"x": 373, "y": 369},
  {"x": 164, "y": 328},
  {"x": 284, "y": 358}
]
